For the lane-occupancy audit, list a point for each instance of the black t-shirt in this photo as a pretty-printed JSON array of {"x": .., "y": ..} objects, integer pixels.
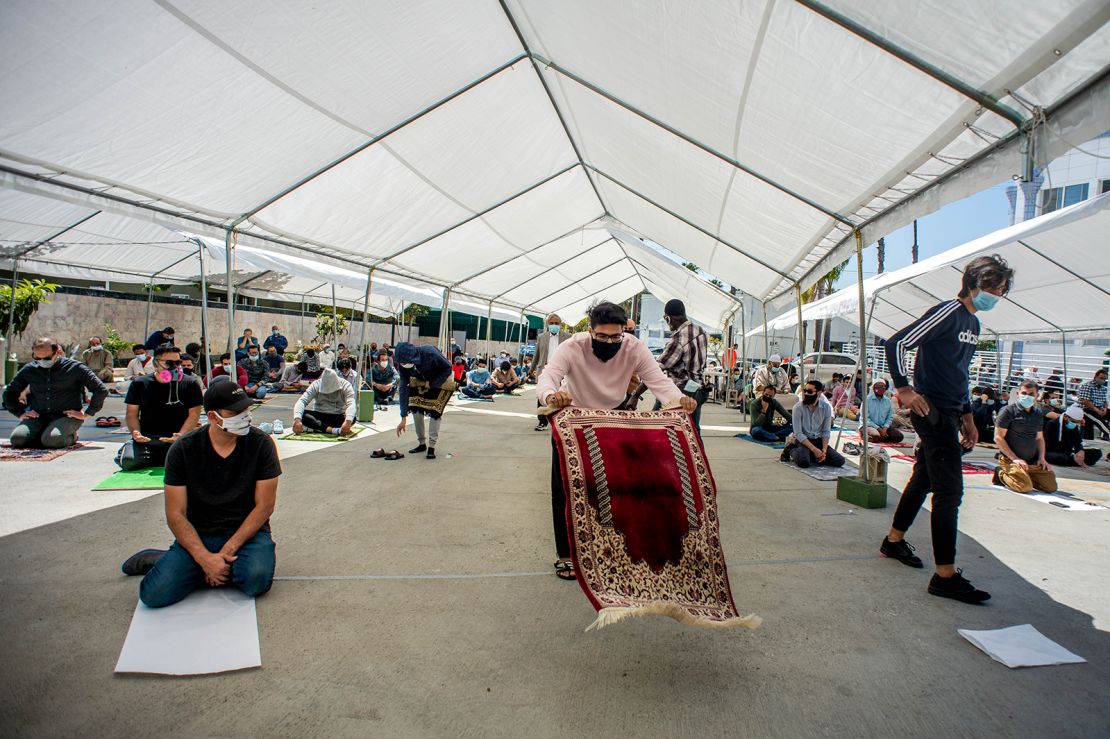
[
  {"x": 163, "y": 406},
  {"x": 219, "y": 491},
  {"x": 1021, "y": 430}
]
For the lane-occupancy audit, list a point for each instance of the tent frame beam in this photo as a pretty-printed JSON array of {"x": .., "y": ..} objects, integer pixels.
[
  {"x": 551, "y": 97},
  {"x": 690, "y": 139},
  {"x": 523, "y": 255},
  {"x": 597, "y": 271},
  {"x": 478, "y": 214},
  {"x": 388, "y": 132},
  {"x": 599, "y": 292},
  {"x": 555, "y": 267},
  {"x": 907, "y": 57},
  {"x": 692, "y": 225}
]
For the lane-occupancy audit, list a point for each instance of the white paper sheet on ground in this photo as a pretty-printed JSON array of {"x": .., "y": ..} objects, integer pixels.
[
  {"x": 213, "y": 630},
  {"x": 1020, "y": 646},
  {"x": 1067, "y": 501}
]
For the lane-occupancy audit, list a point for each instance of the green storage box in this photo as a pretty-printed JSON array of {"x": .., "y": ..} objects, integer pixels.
[
  {"x": 859, "y": 493},
  {"x": 365, "y": 406}
]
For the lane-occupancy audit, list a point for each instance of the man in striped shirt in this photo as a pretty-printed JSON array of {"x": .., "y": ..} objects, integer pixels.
[
  {"x": 1092, "y": 397},
  {"x": 683, "y": 359},
  {"x": 945, "y": 338}
]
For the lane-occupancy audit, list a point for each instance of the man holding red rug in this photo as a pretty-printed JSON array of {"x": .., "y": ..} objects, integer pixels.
[{"x": 591, "y": 370}]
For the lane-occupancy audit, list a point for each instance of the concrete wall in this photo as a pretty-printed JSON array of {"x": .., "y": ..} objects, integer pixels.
[{"x": 72, "y": 318}]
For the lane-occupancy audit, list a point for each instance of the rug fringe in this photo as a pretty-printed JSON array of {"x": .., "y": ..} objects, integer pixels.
[{"x": 609, "y": 616}]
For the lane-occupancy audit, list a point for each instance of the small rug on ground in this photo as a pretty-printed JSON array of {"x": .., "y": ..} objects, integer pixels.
[
  {"x": 888, "y": 445},
  {"x": 642, "y": 517},
  {"x": 357, "y": 431},
  {"x": 749, "y": 437},
  {"x": 151, "y": 478},
  {"x": 10, "y": 454},
  {"x": 968, "y": 468},
  {"x": 824, "y": 472}
]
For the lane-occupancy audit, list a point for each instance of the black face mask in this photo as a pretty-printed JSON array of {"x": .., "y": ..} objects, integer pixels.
[
  {"x": 310, "y": 352},
  {"x": 604, "y": 351},
  {"x": 187, "y": 370},
  {"x": 809, "y": 399}
]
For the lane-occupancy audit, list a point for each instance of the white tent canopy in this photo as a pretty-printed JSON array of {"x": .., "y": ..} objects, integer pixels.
[
  {"x": 1061, "y": 284},
  {"x": 444, "y": 138}
]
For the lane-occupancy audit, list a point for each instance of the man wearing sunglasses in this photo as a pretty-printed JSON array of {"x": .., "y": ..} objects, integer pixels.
[
  {"x": 160, "y": 408},
  {"x": 52, "y": 414},
  {"x": 812, "y": 420}
]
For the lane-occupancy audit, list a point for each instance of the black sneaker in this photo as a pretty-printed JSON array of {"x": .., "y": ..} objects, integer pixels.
[
  {"x": 901, "y": 551},
  {"x": 142, "y": 562},
  {"x": 418, "y": 448},
  {"x": 996, "y": 477},
  {"x": 431, "y": 453},
  {"x": 957, "y": 588}
]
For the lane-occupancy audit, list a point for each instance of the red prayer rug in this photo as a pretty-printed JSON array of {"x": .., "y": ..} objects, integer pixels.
[
  {"x": 642, "y": 517},
  {"x": 8, "y": 453},
  {"x": 968, "y": 468}
]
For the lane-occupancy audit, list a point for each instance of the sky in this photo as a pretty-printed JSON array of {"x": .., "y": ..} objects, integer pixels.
[{"x": 952, "y": 225}]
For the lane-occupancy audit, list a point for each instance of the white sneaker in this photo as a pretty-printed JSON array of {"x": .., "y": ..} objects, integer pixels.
[{"x": 279, "y": 427}]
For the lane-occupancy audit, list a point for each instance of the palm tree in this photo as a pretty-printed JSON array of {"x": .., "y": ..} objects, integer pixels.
[
  {"x": 880, "y": 254},
  {"x": 820, "y": 289}
]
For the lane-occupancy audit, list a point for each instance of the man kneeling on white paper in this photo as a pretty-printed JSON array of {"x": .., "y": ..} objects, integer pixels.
[{"x": 221, "y": 486}]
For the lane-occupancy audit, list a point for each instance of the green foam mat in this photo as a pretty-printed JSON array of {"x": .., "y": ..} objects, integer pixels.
[{"x": 149, "y": 478}]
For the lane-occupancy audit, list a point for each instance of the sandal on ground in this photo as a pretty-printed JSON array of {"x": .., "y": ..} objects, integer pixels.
[
  {"x": 377, "y": 454},
  {"x": 393, "y": 455},
  {"x": 113, "y": 421},
  {"x": 103, "y": 422},
  {"x": 564, "y": 569}
]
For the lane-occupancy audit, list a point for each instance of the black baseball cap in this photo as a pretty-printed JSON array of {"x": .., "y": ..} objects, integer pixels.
[{"x": 225, "y": 395}]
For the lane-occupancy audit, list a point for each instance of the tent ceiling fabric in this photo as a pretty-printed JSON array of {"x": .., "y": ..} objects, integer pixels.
[
  {"x": 456, "y": 142},
  {"x": 1061, "y": 282}
]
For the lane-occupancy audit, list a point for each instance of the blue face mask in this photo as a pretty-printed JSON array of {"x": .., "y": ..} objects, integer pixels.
[
  {"x": 990, "y": 402},
  {"x": 1026, "y": 401},
  {"x": 553, "y": 328},
  {"x": 1069, "y": 425},
  {"x": 984, "y": 300}
]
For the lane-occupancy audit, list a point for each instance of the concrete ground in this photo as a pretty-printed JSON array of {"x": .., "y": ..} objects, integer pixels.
[{"x": 450, "y": 623}]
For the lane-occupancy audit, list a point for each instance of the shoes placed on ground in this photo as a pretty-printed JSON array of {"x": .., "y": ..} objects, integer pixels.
[
  {"x": 418, "y": 448},
  {"x": 901, "y": 551},
  {"x": 431, "y": 453},
  {"x": 142, "y": 562},
  {"x": 996, "y": 477},
  {"x": 541, "y": 427},
  {"x": 957, "y": 588}
]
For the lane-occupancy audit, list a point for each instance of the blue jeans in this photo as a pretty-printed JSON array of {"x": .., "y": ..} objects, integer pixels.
[
  {"x": 177, "y": 574},
  {"x": 486, "y": 391},
  {"x": 260, "y": 390},
  {"x": 759, "y": 433}
]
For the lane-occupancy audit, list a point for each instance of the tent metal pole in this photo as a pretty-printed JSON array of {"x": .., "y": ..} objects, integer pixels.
[
  {"x": 998, "y": 363},
  {"x": 302, "y": 318},
  {"x": 11, "y": 318},
  {"x": 365, "y": 316},
  {"x": 149, "y": 301},
  {"x": 1064, "y": 382},
  {"x": 204, "y": 325},
  {"x": 743, "y": 361},
  {"x": 865, "y": 469},
  {"x": 396, "y": 323},
  {"x": 334, "y": 316},
  {"x": 489, "y": 331},
  {"x": 444, "y": 324},
  {"x": 229, "y": 254},
  {"x": 801, "y": 333},
  {"x": 766, "y": 345}
]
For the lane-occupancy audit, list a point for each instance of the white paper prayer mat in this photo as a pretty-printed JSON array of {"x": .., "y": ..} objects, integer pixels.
[
  {"x": 1020, "y": 646},
  {"x": 213, "y": 630}
]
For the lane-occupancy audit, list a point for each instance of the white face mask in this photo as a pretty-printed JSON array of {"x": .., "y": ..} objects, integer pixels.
[
  {"x": 407, "y": 365},
  {"x": 96, "y": 347},
  {"x": 384, "y": 364},
  {"x": 238, "y": 425},
  {"x": 45, "y": 363}
]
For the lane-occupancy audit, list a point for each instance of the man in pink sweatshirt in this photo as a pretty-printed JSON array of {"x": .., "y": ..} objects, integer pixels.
[{"x": 592, "y": 370}]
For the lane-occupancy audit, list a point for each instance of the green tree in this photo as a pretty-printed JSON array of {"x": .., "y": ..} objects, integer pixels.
[
  {"x": 583, "y": 325},
  {"x": 330, "y": 327},
  {"x": 820, "y": 289},
  {"x": 690, "y": 266},
  {"x": 28, "y": 296},
  {"x": 113, "y": 342}
]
